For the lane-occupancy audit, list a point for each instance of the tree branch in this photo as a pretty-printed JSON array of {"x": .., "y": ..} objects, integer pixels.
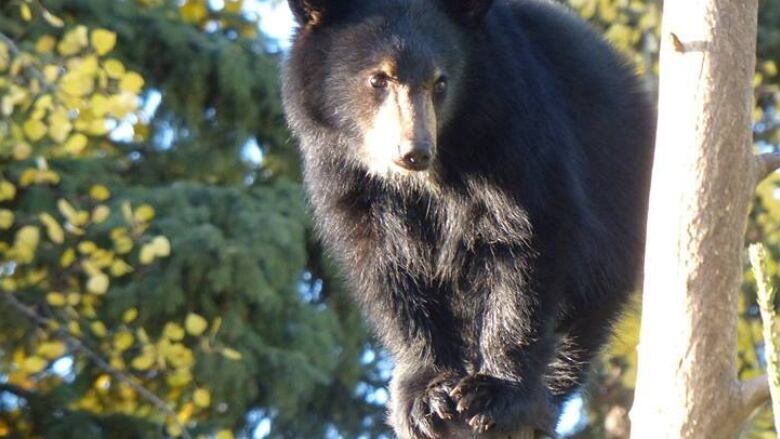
[
  {"x": 755, "y": 392},
  {"x": 77, "y": 345},
  {"x": 14, "y": 50},
  {"x": 766, "y": 164}
]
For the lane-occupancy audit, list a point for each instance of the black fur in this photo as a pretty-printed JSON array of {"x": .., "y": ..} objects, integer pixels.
[{"x": 495, "y": 282}]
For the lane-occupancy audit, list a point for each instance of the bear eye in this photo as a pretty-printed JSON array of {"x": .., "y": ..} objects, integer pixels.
[
  {"x": 379, "y": 81},
  {"x": 440, "y": 86}
]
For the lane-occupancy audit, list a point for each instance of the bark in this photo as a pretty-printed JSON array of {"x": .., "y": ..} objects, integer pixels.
[{"x": 703, "y": 178}]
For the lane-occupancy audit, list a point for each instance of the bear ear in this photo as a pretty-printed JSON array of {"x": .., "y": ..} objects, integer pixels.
[
  {"x": 313, "y": 12},
  {"x": 468, "y": 12}
]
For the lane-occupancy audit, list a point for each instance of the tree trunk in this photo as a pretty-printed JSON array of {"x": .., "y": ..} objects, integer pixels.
[{"x": 703, "y": 179}]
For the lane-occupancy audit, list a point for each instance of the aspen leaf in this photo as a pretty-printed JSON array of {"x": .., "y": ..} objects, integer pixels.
[
  {"x": 103, "y": 41},
  {"x": 144, "y": 213},
  {"x": 123, "y": 341},
  {"x": 770, "y": 67},
  {"x": 130, "y": 315},
  {"x": 146, "y": 256},
  {"x": 98, "y": 284},
  {"x": 195, "y": 324},
  {"x": 53, "y": 228},
  {"x": 59, "y": 125},
  {"x": 25, "y": 12},
  {"x": 224, "y": 434},
  {"x": 52, "y": 19},
  {"x": 87, "y": 247},
  {"x": 67, "y": 258},
  {"x": 201, "y": 397},
  {"x": 22, "y": 151},
  {"x": 34, "y": 129},
  {"x": 73, "y": 41},
  {"x": 99, "y": 192},
  {"x": 7, "y": 190},
  {"x": 25, "y": 243},
  {"x": 77, "y": 84},
  {"x": 6, "y": 219},
  {"x": 34, "y": 364},
  {"x": 144, "y": 361},
  {"x": 162, "y": 247},
  {"x": 120, "y": 268},
  {"x": 100, "y": 214},
  {"x": 56, "y": 299},
  {"x": 114, "y": 68},
  {"x": 131, "y": 82},
  {"x": 173, "y": 331},
  {"x": 231, "y": 354},
  {"x": 99, "y": 329},
  {"x": 51, "y": 349},
  {"x": 45, "y": 44}
]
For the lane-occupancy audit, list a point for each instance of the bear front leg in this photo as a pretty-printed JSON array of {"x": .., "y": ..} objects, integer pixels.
[
  {"x": 421, "y": 405},
  {"x": 516, "y": 343}
]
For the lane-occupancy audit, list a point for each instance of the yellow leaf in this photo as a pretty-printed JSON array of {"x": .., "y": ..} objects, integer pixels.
[
  {"x": 76, "y": 144},
  {"x": 74, "y": 328},
  {"x": 194, "y": 11},
  {"x": 34, "y": 364},
  {"x": 74, "y": 299},
  {"x": 100, "y": 213},
  {"x": 195, "y": 324},
  {"x": 53, "y": 228},
  {"x": 99, "y": 329},
  {"x": 87, "y": 247},
  {"x": 73, "y": 41},
  {"x": 202, "y": 398},
  {"x": 162, "y": 247},
  {"x": 120, "y": 268},
  {"x": 145, "y": 360},
  {"x": 51, "y": 349},
  {"x": 25, "y": 244},
  {"x": 114, "y": 68},
  {"x": 7, "y": 190},
  {"x": 34, "y": 129},
  {"x": 6, "y": 219},
  {"x": 45, "y": 44},
  {"x": 103, "y": 41},
  {"x": 173, "y": 331},
  {"x": 52, "y": 19},
  {"x": 99, "y": 192},
  {"x": 99, "y": 104},
  {"x": 67, "y": 258},
  {"x": 59, "y": 124},
  {"x": 146, "y": 256},
  {"x": 130, "y": 315},
  {"x": 25, "y": 12},
  {"x": 56, "y": 299},
  {"x": 131, "y": 82},
  {"x": 77, "y": 84},
  {"x": 22, "y": 151},
  {"x": 770, "y": 68},
  {"x": 144, "y": 213},
  {"x": 232, "y": 354},
  {"x": 224, "y": 434},
  {"x": 98, "y": 284},
  {"x": 179, "y": 378},
  {"x": 123, "y": 341}
]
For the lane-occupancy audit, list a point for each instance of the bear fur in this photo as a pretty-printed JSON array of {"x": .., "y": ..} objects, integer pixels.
[{"x": 493, "y": 273}]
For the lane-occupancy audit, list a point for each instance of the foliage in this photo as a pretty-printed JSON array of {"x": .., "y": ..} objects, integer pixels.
[
  {"x": 633, "y": 27},
  {"x": 154, "y": 282}
]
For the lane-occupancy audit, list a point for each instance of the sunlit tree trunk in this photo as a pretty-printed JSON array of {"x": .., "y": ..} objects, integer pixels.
[{"x": 703, "y": 179}]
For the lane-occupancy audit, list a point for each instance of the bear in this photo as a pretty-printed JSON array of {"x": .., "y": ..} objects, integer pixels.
[{"x": 479, "y": 169}]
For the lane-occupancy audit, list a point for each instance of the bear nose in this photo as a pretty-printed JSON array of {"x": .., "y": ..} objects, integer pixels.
[{"x": 417, "y": 159}]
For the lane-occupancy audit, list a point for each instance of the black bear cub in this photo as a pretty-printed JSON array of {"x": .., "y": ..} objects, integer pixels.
[{"x": 480, "y": 170}]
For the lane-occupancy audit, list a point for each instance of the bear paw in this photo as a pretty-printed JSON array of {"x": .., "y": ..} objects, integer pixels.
[
  {"x": 488, "y": 403},
  {"x": 433, "y": 407}
]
